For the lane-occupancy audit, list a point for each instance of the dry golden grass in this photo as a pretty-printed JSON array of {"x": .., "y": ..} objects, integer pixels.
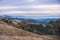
[
  {"x": 8, "y": 32},
  {"x": 12, "y": 31},
  {"x": 25, "y": 38}
]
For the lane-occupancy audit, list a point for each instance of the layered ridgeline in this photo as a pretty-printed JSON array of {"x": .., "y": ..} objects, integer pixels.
[{"x": 51, "y": 28}]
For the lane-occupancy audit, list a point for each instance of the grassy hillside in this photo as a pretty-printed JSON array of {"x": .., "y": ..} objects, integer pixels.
[
  {"x": 52, "y": 28},
  {"x": 9, "y": 30},
  {"x": 12, "y": 31}
]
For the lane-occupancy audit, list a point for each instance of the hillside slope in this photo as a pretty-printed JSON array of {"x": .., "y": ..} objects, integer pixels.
[{"x": 12, "y": 31}]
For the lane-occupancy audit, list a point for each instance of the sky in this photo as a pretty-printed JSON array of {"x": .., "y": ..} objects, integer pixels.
[{"x": 39, "y": 8}]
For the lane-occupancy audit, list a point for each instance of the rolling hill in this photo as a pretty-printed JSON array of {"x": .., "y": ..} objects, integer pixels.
[{"x": 20, "y": 30}]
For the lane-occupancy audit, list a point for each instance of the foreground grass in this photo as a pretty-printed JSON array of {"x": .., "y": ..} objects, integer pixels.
[{"x": 27, "y": 38}]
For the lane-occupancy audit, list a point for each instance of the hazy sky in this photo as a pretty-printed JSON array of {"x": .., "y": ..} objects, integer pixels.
[{"x": 30, "y": 7}]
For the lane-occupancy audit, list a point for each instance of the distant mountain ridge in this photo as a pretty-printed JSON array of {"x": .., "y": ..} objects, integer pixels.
[{"x": 24, "y": 18}]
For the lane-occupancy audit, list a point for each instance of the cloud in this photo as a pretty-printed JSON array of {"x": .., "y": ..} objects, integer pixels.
[
  {"x": 41, "y": 7},
  {"x": 30, "y": 0},
  {"x": 33, "y": 10},
  {"x": 44, "y": 6},
  {"x": 8, "y": 7}
]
